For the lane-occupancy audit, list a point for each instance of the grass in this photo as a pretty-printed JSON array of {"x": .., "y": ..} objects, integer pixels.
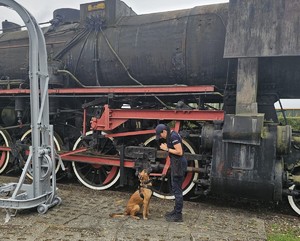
[
  {"x": 283, "y": 237},
  {"x": 283, "y": 233}
]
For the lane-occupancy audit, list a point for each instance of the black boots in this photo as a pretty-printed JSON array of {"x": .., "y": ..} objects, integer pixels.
[
  {"x": 174, "y": 217},
  {"x": 169, "y": 213}
]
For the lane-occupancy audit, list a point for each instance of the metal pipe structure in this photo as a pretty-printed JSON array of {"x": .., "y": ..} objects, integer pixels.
[{"x": 40, "y": 193}]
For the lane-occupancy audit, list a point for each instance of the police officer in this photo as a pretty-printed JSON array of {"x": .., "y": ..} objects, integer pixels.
[{"x": 174, "y": 147}]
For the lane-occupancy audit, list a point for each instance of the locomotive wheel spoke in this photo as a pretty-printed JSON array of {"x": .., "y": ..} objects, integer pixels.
[
  {"x": 162, "y": 186},
  {"x": 97, "y": 176},
  {"x": 4, "y": 155},
  {"x": 26, "y": 139},
  {"x": 294, "y": 201}
]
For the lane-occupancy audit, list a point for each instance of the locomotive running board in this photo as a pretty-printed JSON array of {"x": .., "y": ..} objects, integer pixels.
[
  {"x": 147, "y": 89},
  {"x": 42, "y": 192}
]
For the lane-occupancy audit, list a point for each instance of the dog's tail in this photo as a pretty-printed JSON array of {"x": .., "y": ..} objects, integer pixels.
[{"x": 115, "y": 215}]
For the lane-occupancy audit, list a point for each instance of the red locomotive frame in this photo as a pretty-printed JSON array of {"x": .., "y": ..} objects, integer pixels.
[{"x": 112, "y": 118}]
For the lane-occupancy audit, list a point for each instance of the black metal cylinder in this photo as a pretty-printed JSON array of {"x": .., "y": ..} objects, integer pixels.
[
  {"x": 66, "y": 15},
  {"x": 19, "y": 104},
  {"x": 180, "y": 47}
]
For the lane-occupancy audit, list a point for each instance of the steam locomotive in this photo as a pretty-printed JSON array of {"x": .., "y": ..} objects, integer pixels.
[{"x": 213, "y": 73}]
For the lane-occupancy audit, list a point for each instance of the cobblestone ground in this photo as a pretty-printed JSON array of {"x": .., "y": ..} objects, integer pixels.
[{"x": 84, "y": 215}]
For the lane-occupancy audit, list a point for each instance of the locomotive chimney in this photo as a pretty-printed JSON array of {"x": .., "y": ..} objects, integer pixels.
[{"x": 10, "y": 26}]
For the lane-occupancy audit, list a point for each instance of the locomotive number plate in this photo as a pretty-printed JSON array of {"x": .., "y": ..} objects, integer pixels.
[{"x": 97, "y": 6}]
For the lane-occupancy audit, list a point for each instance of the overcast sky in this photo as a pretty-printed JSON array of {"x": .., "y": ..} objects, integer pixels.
[{"x": 42, "y": 10}]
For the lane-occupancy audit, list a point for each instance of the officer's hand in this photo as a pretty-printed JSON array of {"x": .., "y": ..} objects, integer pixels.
[{"x": 164, "y": 146}]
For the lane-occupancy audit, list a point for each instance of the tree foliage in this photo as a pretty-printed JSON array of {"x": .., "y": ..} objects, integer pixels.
[{"x": 292, "y": 121}]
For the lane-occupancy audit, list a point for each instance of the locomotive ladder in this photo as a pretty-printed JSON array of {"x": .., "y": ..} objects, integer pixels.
[{"x": 41, "y": 193}]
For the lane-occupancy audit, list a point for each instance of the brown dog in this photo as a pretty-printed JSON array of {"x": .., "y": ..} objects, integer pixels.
[{"x": 139, "y": 198}]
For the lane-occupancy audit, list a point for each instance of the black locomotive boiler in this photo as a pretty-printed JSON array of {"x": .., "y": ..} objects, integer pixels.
[{"x": 213, "y": 73}]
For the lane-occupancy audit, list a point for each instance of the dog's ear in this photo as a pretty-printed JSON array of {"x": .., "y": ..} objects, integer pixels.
[
  {"x": 141, "y": 173},
  {"x": 138, "y": 170},
  {"x": 148, "y": 170}
]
